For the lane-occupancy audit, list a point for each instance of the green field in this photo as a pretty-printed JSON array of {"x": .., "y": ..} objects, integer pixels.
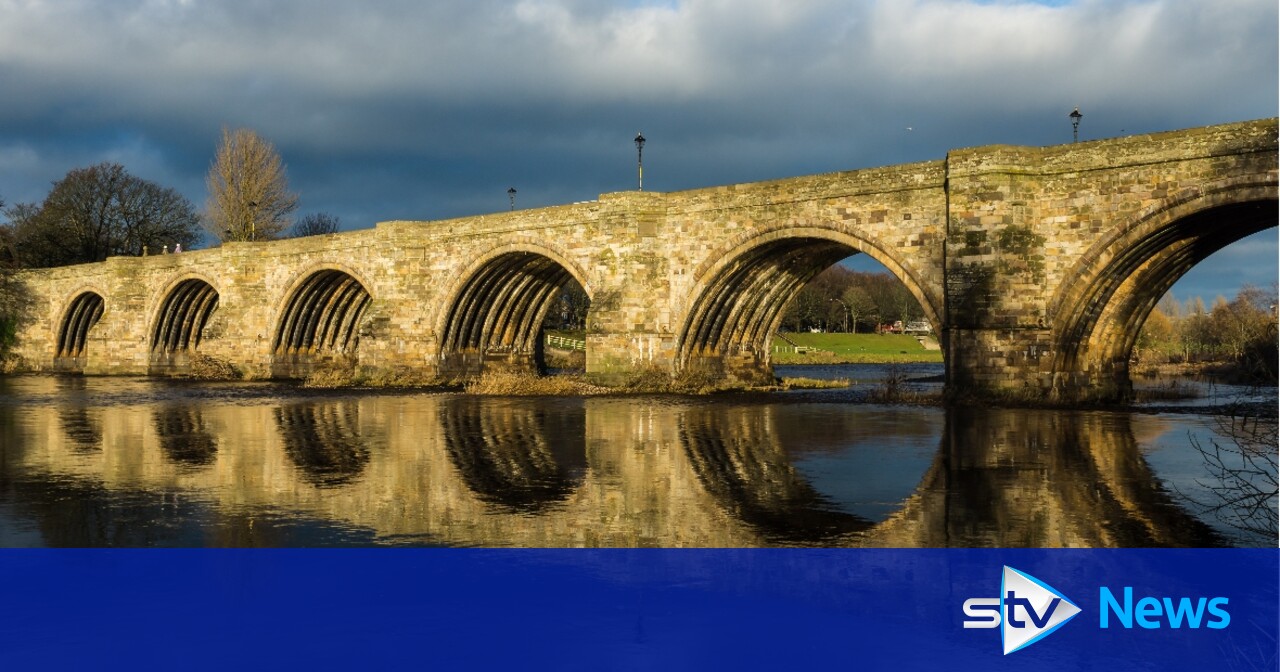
[
  {"x": 837, "y": 348},
  {"x": 852, "y": 349}
]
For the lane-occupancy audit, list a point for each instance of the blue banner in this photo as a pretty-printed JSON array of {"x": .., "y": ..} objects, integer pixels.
[{"x": 639, "y": 609}]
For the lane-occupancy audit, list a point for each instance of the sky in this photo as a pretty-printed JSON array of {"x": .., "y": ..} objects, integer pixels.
[{"x": 404, "y": 109}]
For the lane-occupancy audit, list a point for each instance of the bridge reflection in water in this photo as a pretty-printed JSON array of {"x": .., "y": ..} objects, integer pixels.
[{"x": 267, "y": 469}]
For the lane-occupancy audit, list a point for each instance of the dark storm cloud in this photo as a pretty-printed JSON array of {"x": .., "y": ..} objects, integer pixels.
[{"x": 391, "y": 110}]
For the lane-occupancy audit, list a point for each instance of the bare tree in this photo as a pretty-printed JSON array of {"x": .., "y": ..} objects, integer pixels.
[
  {"x": 860, "y": 306},
  {"x": 315, "y": 224},
  {"x": 249, "y": 197},
  {"x": 1242, "y": 482}
]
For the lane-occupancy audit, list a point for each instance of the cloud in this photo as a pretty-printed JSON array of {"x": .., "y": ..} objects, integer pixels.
[{"x": 408, "y": 109}]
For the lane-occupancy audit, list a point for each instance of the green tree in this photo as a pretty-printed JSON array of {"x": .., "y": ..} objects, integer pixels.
[
  {"x": 98, "y": 212},
  {"x": 249, "y": 197}
]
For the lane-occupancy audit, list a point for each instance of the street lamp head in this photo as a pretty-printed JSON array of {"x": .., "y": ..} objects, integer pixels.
[
  {"x": 640, "y": 159},
  {"x": 1075, "y": 124},
  {"x": 1075, "y": 115},
  {"x": 511, "y": 191}
]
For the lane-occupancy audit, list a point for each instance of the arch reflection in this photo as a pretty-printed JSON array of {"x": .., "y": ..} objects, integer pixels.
[
  {"x": 184, "y": 437},
  {"x": 80, "y": 423},
  {"x": 738, "y": 458},
  {"x": 1038, "y": 478},
  {"x": 324, "y": 441},
  {"x": 520, "y": 455}
]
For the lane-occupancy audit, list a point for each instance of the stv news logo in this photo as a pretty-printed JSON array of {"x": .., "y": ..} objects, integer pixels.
[{"x": 1027, "y": 610}]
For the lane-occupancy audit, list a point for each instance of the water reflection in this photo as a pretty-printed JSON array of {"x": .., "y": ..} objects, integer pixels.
[
  {"x": 324, "y": 440},
  {"x": 518, "y": 455},
  {"x": 740, "y": 461},
  {"x": 184, "y": 437},
  {"x": 83, "y": 428},
  {"x": 246, "y": 470},
  {"x": 1048, "y": 478}
]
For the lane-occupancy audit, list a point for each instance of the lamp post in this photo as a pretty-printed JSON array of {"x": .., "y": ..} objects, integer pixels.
[
  {"x": 640, "y": 158},
  {"x": 846, "y": 315},
  {"x": 511, "y": 194},
  {"x": 1075, "y": 124}
]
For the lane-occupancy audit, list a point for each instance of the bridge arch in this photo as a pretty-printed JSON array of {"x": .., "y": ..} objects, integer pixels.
[
  {"x": 494, "y": 312},
  {"x": 739, "y": 294},
  {"x": 1122, "y": 277},
  {"x": 320, "y": 316},
  {"x": 81, "y": 315},
  {"x": 178, "y": 323}
]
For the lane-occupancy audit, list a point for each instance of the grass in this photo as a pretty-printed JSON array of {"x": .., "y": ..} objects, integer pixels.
[
  {"x": 835, "y": 348},
  {"x": 576, "y": 334},
  {"x": 814, "y": 384}
]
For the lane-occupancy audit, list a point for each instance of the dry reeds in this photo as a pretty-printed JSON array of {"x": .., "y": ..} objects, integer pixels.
[{"x": 519, "y": 384}]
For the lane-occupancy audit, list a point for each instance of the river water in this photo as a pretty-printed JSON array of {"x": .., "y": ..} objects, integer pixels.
[{"x": 149, "y": 462}]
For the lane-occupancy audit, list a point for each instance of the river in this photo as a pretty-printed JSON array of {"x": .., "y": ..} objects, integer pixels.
[{"x": 89, "y": 462}]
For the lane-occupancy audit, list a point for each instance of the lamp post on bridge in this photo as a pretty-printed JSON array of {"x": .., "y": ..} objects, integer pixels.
[
  {"x": 253, "y": 221},
  {"x": 511, "y": 194},
  {"x": 640, "y": 158},
  {"x": 846, "y": 314},
  {"x": 1075, "y": 124}
]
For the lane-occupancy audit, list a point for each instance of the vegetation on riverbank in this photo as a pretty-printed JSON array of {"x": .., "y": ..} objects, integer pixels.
[
  {"x": 15, "y": 301},
  {"x": 1235, "y": 340},
  {"x": 801, "y": 383}
]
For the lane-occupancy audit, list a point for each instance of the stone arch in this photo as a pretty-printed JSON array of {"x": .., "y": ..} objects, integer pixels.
[
  {"x": 81, "y": 315},
  {"x": 1116, "y": 284},
  {"x": 321, "y": 314},
  {"x": 493, "y": 313},
  {"x": 740, "y": 291},
  {"x": 178, "y": 323}
]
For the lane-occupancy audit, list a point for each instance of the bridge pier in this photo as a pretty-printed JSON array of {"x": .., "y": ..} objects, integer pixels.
[
  {"x": 744, "y": 368},
  {"x": 1024, "y": 365},
  {"x": 616, "y": 358}
]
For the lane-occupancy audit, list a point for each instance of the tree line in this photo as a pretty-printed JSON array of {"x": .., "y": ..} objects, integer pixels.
[
  {"x": 842, "y": 299},
  {"x": 102, "y": 210},
  {"x": 1242, "y": 332}
]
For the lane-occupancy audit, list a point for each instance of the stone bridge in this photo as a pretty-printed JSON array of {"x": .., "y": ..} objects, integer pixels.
[{"x": 1037, "y": 266}]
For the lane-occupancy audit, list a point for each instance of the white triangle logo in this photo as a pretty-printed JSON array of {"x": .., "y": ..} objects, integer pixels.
[{"x": 1030, "y": 610}]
